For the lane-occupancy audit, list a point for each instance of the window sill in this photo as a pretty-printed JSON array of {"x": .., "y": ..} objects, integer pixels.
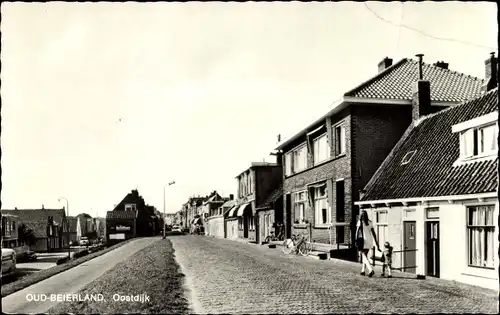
[
  {"x": 331, "y": 159},
  {"x": 300, "y": 225},
  {"x": 477, "y": 158},
  {"x": 473, "y": 267},
  {"x": 322, "y": 226}
]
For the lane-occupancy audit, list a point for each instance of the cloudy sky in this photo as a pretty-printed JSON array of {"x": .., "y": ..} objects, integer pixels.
[{"x": 101, "y": 98}]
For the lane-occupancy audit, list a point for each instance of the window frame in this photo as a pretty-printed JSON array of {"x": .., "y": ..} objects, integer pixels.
[
  {"x": 130, "y": 206},
  {"x": 381, "y": 226},
  {"x": 316, "y": 140},
  {"x": 322, "y": 198},
  {"x": 475, "y": 136},
  {"x": 484, "y": 228},
  {"x": 297, "y": 202},
  {"x": 340, "y": 149}
]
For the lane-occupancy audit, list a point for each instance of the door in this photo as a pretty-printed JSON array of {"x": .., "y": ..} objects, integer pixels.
[
  {"x": 432, "y": 248},
  {"x": 409, "y": 254},
  {"x": 288, "y": 214},
  {"x": 245, "y": 226}
]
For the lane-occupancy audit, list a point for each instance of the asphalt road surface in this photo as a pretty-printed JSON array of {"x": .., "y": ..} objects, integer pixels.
[
  {"x": 231, "y": 277},
  {"x": 70, "y": 281}
]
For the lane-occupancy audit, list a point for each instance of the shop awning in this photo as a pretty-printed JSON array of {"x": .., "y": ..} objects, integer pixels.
[
  {"x": 232, "y": 211},
  {"x": 242, "y": 208}
]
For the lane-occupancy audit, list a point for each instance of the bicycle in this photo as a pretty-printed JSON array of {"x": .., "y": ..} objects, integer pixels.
[
  {"x": 297, "y": 244},
  {"x": 270, "y": 238}
]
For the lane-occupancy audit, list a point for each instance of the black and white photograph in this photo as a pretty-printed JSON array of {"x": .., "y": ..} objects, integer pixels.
[{"x": 289, "y": 157}]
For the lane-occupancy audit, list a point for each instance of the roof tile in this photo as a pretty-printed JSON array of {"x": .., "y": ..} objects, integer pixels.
[
  {"x": 431, "y": 172},
  {"x": 396, "y": 83}
]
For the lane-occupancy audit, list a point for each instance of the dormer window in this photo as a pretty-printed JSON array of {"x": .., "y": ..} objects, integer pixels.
[
  {"x": 130, "y": 207},
  {"x": 480, "y": 141},
  {"x": 478, "y": 138}
]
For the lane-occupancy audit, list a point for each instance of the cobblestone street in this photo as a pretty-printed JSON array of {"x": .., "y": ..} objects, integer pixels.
[{"x": 232, "y": 277}]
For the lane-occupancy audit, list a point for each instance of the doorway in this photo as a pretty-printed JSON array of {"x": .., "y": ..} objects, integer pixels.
[
  {"x": 410, "y": 246},
  {"x": 432, "y": 248}
]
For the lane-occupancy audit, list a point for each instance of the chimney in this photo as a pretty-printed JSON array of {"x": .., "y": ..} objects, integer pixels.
[
  {"x": 384, "y": 64},
  {"x": 231, "y": 197},
  {"x": 420, "y": 63},
  {"x": 491, "y": 70},
  {"x": 441, "y": 64},
  {"x": 421, "y": 95}
]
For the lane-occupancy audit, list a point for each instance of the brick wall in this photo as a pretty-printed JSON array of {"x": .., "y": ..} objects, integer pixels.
[{"x": 330, "y": 171}]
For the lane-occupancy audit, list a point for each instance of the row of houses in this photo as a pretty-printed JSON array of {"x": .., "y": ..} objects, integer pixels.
[
  {"x": 46, "y": 230},
  {"x": 416, "y": 146}
]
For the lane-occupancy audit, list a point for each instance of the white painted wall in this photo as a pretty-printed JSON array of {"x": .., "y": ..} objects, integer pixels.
[{"x": 453, "y": 240}]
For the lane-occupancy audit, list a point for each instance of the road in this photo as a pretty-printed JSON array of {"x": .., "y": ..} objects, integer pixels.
[
  {"x": 230, "y": 277},
  {"x": 72, "y": 280}
]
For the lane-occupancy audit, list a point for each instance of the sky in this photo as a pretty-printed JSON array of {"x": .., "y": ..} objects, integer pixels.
[{"x": 102, "y": 98}]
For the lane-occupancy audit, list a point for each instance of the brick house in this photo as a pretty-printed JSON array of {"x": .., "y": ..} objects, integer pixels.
[
  {"x": 121, "y": 225},
  {"x": 191, "y": 210},
  {"x": 329, "y": 161},
  {"x": 147, "y": 222},
  {"x": 255, "y": 184},
  {"x": 270, "y": 211},
  {"x": 436, "y": 194},
  {"x": 49, "y": 226}
]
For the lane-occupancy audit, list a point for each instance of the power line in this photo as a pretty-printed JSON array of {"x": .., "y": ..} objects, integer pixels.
[{"x": 425, "y": 34}]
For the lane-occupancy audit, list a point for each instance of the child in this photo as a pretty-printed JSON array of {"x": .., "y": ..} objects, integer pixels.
[{"x": 387, "y": 260}]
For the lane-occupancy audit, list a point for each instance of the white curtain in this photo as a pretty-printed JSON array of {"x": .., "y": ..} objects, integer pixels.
[{"x": 482, "y": 242}]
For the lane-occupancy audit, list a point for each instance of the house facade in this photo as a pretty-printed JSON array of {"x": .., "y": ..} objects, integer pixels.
[
  {"x": 255, "y": 184},
  {"x": 10, "y": 225},
  {"x": 121, "y": 225},
  {"x": 48, "y": 226},
  {"x": 328, "y": 162},
  {"x": 435, "y": 197},
  {"x": 215, "y": 222},
  {"x": 209, "y": 208},
  {"x": 269, "y": 212}
]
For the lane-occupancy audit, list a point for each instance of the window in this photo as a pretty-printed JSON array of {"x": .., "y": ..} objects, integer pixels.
[
  {"x": 130, "y": 207},
  {"x": 340, "y": 139},
  {"x": 321, "y": 212},
  {"x": 481, "y": 229},
  {"x": 321, "y": 149},
  {"x": 299, "y": 206},
  {"x": 407, "y": 157},
  {"x": 479, "y": 141},
  {"x": 300, "y": 159},
  {"x": 13, "y": 227},
  {"x": 340, "y": 201},
  {"x": 381, "y": 228},
  {"x": 288, "y": 163}
]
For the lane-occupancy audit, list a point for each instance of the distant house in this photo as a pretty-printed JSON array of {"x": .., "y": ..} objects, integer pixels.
[
  {"x": 435, "y": 197},
  {"x": 327, "y": 163},
  {"x": 49, "y": 226},
  {"x": 100, "y": 227},
  {"x": 146, "y": 218},
  {"x": 255, "y": 184},
  {"x": 215, "y": 220},
  {"x": 85, "y": 225},
  {"x": 10, "y": 225},
  {"x": 208, "y": 207},
  {"x": 270, "y": 211}
]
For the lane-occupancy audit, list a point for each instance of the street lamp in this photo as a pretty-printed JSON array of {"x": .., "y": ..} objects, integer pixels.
[
  {"x": 67, "y": 223},
  {"x": 164, "y": 218}
]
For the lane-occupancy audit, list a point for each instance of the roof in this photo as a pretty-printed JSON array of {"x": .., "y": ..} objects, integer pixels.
[
  {"x": 430, "y": 172},
  {"x": 39, "y": 229},
  {"x": 271, "y": 198},
  {"x": 37, "y": 215},
  {"x": 396, "y": 81},
  {"x": 258, "y": 164},
  {"x": 229, "y": 203},
  {"x": 395, "y": 84},
  {"x": 121, "y": 215}
]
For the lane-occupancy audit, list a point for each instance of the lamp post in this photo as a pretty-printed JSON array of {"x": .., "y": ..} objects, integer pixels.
[
  {"x": 67, "y": 223},
  {"x": 164, "y": 218}
]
